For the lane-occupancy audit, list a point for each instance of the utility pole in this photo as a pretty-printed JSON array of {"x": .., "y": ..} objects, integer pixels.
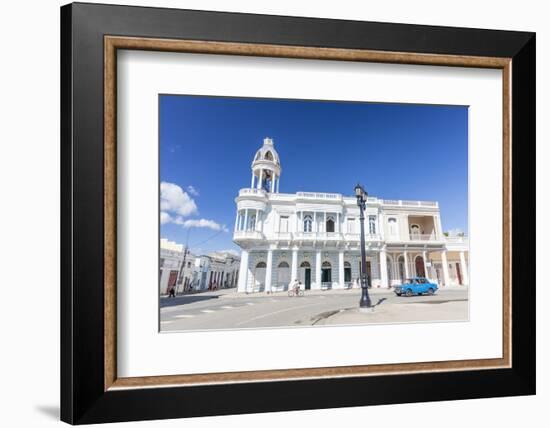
[{"x": 182, "y": 267}]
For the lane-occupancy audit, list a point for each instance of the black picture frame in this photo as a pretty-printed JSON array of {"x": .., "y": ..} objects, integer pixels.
[{"x": 83, "y": 398}]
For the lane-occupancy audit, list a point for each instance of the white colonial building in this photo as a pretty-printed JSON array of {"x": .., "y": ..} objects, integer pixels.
[
  {"x": 315, "y": 236},
  {"x": 200, "y": 273}
]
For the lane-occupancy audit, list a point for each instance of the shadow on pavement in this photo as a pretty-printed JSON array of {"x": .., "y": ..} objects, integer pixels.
[
  {"x": 183, "y": 300},
  {"x": 380, "y": 301}
]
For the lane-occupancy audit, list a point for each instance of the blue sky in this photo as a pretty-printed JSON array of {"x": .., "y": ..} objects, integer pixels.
[{"x": 397, "y": 151}]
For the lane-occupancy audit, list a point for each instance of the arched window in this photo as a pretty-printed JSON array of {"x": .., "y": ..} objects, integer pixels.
[
  {"x": 259, "y": 276},
  {"x": 330, "y": 224},
  {"x": 268, "y": 156},
  {"x": 305, "y": 265},
  {"x": 308, "y": 221},
  {"x": 415, "y": 229},
  {"x": 372, "y": 224},
  {"x": 283, "y": 274}
]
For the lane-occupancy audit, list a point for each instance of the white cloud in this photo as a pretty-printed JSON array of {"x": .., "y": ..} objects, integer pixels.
[
  {"x": 192, "y": 190},
  {"x": 209, "y": 224},
  {"x": 165, "y": 218},
  {"x": 174, "y": 199}
]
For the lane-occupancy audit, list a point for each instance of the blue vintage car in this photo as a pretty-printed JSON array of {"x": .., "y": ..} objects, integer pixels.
[{"x": 415, "y": 286}]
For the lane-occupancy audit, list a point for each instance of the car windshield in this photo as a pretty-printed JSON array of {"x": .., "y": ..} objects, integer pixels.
[{"x": 410, "y": 281}]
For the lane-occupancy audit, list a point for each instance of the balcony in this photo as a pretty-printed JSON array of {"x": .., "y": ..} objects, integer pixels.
[
  {"x": 247, "y": 235},
  {"x": 421, "y": 237},
  {"x": 252, "y": 192},
  {"x": 318, "y": 236},
  {"x": 283, "y": 236},
  {"x": 355, "y": 237},
  {"x": 456, "y": 239},
  {"x": 402, "y": 203},
  {"x": 319, "y": 196}
]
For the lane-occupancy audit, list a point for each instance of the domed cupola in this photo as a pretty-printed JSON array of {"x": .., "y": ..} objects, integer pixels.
[{"x": 266, "y": 168}]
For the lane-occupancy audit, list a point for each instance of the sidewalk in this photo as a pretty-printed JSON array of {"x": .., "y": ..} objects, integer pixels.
[
  {"x": 389, "y": 313},
  {"x": 350, "y": 291},
  {"x": 231, "y": 293}
]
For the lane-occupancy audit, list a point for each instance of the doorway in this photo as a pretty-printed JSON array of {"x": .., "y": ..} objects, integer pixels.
[
  {"x": 458, "y": 273},
  {"x": 305, "y": 267},
  {"x": 419, "y": 265},
  {"x": 259, "y": 277},
  {"x": 326, "y": 274},
  {"x": 172, "y": 280}
]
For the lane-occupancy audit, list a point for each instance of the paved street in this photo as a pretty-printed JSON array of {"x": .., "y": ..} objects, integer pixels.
[{"x": 225, "y": 309}]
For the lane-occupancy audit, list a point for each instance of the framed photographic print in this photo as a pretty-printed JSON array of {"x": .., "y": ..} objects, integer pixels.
[{"x": 292, "y": 213}]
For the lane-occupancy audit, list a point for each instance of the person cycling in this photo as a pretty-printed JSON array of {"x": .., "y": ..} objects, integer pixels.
[{"x": 296, "y": 287}]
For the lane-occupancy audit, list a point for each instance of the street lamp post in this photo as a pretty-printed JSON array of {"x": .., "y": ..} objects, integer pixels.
[{"x": 361, "y": 203}]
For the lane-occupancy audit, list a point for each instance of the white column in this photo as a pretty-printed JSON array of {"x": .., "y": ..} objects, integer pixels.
[
  {"x": 424, "y": 255},
  {"x": 268, "y": 270},
  {"x": 406, "y": 258},
  {"x": 294, "y": 274},
  {"x": 325, "y": 222},
  {"x": 318, "y": 269},
  {"x": 252, "y": 182},
  {"x": 245, "y": 225},
  {"x": 272, "y": 183},
  {"x": 446, "y": 278},
  {"x": 383, "y": 269},
  {"x": 338, "y": 222},
  {"x": 341, "y": 268},
  {"x": 297, "y": 228},
  {"x": 243, "y": 272},
  {"x": 381, "y": 226},
  {"x": 278, "y": 181},
  {"x": 261, "y": 179},
  {"x": 236, "y": 221},
  {"x": 314, "y": 222},
  {"x": 464, "y": 269},
  {"x": 257, "y": 223}
]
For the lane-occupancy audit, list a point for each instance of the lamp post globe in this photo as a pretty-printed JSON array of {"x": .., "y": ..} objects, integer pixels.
[{"x": 361, "y": 196}]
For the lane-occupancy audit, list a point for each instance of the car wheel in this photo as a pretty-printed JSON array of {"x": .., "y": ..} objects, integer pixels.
[
  {"x": 399, "y": 294},
  {"x": 409, "y": 293},
  {"x": 430, "y": 291}
]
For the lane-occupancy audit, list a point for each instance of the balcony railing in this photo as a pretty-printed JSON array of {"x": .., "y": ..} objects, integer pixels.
[
  {"x": 316, "y": 195},
  {"x": 421, "y": 237},
  {"x": 252, "y": 192},
  {"x": 456, "y": 239},
  {"x": 317, "y": 235},
  {"x": 247, "y": 234},
  {"x": 410, "y": 203},
  {"x": 357, "y": 237},
  {"x": 283, "y": 236}
]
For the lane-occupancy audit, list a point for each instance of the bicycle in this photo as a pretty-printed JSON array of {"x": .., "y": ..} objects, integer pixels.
[{"x": 295, "y": 293}]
